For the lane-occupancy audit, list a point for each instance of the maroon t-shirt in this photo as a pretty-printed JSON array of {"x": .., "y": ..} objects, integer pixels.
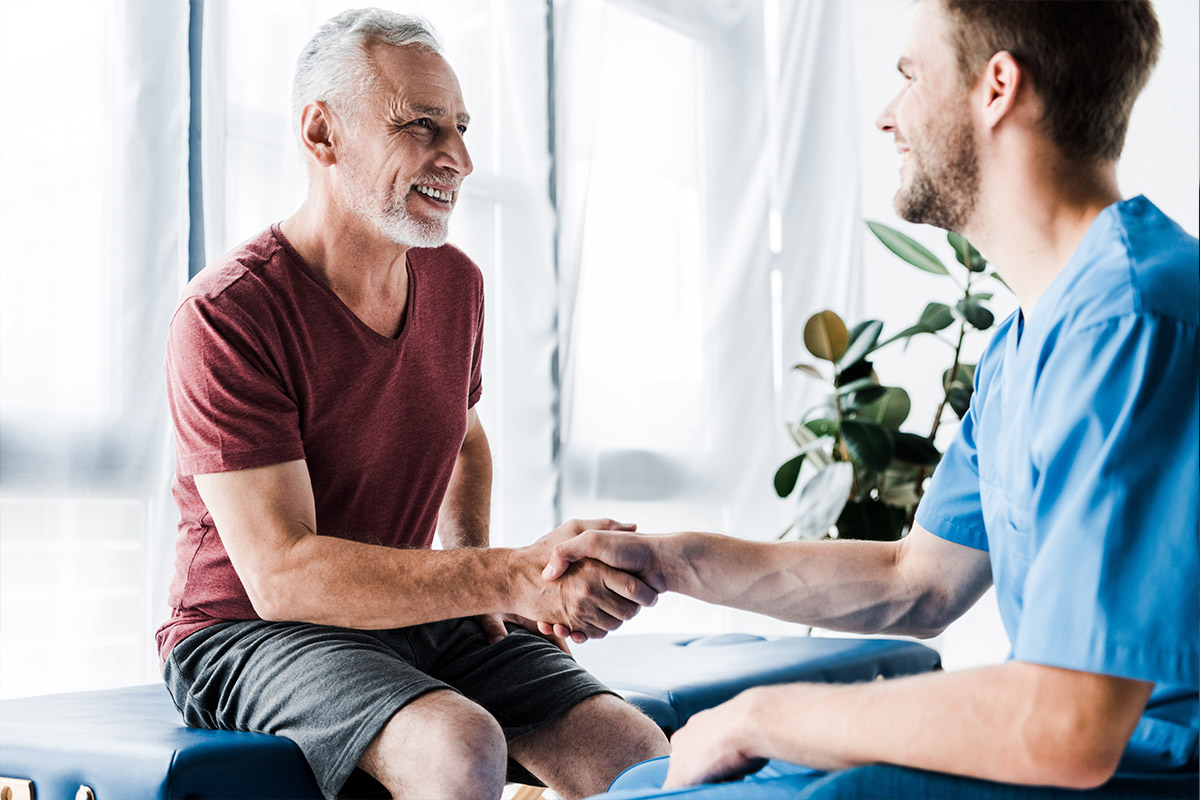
[{"x": 265, "y": 364}]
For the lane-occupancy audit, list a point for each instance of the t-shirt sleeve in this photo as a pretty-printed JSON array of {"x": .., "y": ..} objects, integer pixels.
[
  {"x": 951, "y": 508},
  {"x": 229, "y": 405},
  {"x": 476, "y": 390},
  {"x": 1113, "y": 588}
]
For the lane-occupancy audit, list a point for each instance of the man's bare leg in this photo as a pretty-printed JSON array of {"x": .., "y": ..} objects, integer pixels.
[
  {"x": 584, "y": 750},
  {"x": 440, "y": 745}
]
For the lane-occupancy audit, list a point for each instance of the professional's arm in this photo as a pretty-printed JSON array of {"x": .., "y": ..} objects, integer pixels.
[
  {"x": 1017, "y": 722},
  {"x": 914, "y": 587},
  {"x": 266, "y": 518}
]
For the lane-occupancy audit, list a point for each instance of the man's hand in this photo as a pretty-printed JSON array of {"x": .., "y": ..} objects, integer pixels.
[
  {"x": 495, "y": 630},
  {"x": 715, "y": 745},
  {"x": 589, "y": 597},
  {"x": 629, "y": 552},
  {"x": 626, "y": 551}
]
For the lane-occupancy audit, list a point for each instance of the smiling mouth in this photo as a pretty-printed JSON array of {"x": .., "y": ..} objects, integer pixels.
[{"x": 436, "y": 194}]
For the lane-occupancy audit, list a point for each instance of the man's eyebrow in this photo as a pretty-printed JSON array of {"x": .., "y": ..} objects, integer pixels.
[{"x": 437, "y": 111}]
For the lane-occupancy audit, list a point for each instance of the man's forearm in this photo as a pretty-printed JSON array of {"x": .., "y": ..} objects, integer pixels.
[
  {"x": 331, "y": 581},
  {"x": 1016, "y": 722}
]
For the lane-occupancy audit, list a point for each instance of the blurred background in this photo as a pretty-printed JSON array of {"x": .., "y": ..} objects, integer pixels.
[{"x": 665, "y": 191}]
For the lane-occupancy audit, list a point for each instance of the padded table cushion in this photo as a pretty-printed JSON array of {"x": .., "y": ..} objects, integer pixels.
[
  {"x": 672, "y": 677},
  {"x": 130, "y": 743}
]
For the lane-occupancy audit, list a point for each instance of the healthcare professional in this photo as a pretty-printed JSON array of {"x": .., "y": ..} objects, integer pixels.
[{"x": 1071, "y": 485}]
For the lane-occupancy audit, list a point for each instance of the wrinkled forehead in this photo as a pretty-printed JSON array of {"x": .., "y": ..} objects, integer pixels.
[{"x": 414, "y": 77}]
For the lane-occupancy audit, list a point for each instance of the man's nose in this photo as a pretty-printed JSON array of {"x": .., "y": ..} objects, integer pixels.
[{"x": 454, "y": 155}]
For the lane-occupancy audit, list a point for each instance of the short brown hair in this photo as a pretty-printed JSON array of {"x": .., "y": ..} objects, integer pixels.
[{"x": 1088, "y": 59}]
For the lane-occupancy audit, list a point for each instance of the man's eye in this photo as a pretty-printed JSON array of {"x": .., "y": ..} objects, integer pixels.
[
  {"x": 462, "y": 129},
  {"x": 423, "y": 123}
]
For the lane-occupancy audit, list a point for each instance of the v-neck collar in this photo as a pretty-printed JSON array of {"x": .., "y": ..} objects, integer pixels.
[{"x": 410, "y": 305}]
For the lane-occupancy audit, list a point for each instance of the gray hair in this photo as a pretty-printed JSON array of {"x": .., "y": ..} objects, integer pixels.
[{"x": 334, "y": 66}]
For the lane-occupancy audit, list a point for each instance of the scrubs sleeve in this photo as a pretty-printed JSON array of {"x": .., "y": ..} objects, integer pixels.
[
  {"x": 950, "y": 508},
  {"x": 1113, "y": 587}
]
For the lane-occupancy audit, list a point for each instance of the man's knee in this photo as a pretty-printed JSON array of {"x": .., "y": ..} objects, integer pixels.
[
  {"x": 580, "y": 753},
  {"x": 439, "y": 745}
]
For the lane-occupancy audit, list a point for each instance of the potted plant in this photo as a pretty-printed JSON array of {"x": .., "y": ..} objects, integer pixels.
[{"x": 865, "y": 474}]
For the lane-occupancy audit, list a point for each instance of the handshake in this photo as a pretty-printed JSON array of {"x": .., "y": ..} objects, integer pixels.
[{"x": 584, "y": 579}]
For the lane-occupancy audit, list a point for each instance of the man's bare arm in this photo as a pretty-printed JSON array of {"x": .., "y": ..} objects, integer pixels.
[
  {"x": 267, "y": 521},
  {"x": 1016, "y": 722},
  {"x": 465, "y": 516},
  {"x": 915, "y": 586}
]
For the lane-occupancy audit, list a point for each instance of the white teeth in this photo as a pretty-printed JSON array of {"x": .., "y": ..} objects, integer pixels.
[{"x": 437, "y": 194}]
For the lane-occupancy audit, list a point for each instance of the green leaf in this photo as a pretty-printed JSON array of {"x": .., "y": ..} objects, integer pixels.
[
  {"x": 809, "y": 370},
  {"x": 966, "y": 254},
  {"x": 822, "y": 500},
  {"x": 787, "y": 475},
  {"x": 935, "y": 317},
  {"x": 890, "y": 410},
  {"x": 854, "y": 386},
  {"x": 907, "y": 249},
  {"x": 916, "y": 450},
  {"x": 823, "y": 426},
  {"x": 862, "y": 339},
  {"x": 959, "y": 399},
  {"x": 974, "y": 313},
  {"x": 868, "y": 442},
  {"x": 964, "y": 377},
  {"x": 998, "y": 279},
  {"x": 871, "y": 520},
  {"x": 867, "y": 395},
  {"x": 825, "y": 335}
]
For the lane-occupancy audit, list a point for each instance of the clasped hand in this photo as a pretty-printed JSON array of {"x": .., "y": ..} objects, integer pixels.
[
  {"x": 584, "y": 599},
  {"x": 609, "y": 549}
]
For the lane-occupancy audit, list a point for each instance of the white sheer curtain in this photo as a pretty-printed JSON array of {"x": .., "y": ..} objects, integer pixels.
[
  {"x": 93, "y": 252},
  {"x": 504, "y": 220},
  {"x": 708, "y": 201}
]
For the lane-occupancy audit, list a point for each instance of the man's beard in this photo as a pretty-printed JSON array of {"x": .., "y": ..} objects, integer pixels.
[
  {"x": 392, "y": 218},
  {"x": 944, "y": 185}
]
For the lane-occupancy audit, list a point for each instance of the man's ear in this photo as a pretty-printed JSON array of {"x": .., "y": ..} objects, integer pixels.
[
  {"x": 316, "y": 133},
  {"x": 1002, "y": 86}
]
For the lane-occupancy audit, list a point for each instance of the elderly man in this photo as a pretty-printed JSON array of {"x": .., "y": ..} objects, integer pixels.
[
  {"x": 1071, "y": 485},
  {"x": 322, "y": 378}
]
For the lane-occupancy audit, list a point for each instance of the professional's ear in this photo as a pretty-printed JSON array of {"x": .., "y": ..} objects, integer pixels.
[
  {"x": 316, "y": 133},
  {"x": 1002, "y": 86}
]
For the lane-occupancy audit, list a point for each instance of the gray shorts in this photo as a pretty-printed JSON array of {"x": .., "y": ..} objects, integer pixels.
[{"x": 331, "y": 690}]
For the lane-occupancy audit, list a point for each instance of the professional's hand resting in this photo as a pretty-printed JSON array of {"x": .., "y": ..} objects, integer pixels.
[
  {"x": 589, "y": 598},
  {"x": 619, "y": 548}
]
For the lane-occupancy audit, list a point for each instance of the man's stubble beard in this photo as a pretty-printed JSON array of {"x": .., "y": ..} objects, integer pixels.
[
  {"x": 944, "y": 186},
  {"x": 390, "y": 216}
]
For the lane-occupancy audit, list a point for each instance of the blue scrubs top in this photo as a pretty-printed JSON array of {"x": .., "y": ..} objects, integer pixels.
[{"x": 1077, "y": 469}]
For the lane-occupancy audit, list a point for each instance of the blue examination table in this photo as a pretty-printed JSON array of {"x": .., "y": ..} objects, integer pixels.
[{"x": 129, "y": 744}]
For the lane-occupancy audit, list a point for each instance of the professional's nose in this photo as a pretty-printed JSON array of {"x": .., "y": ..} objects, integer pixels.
[{"x": 886, "y": 121}]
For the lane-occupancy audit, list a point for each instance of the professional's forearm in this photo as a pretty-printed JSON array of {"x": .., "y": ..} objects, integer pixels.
[
  {"x": 1017, "y": 723},
  {"x": 847, "y": 585}
]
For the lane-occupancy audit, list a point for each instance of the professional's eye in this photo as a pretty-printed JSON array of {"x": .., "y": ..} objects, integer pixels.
[
  {"x": 424, "y": 122},
  {"x": 462, "y": 129}
]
